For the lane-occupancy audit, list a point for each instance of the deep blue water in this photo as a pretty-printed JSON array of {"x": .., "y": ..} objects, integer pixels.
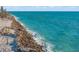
[{"x": 61, "y": 29}]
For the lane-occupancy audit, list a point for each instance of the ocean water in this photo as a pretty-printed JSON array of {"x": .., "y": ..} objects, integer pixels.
[{"x": 60, "y": 29}]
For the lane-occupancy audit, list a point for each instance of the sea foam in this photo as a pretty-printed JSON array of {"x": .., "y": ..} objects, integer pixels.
[{"x": 37, "y": 37}]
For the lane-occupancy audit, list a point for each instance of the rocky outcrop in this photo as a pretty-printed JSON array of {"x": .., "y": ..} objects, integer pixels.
[
  {"x": 17, "y": 38},
  {"x": 25, "y": 40}
]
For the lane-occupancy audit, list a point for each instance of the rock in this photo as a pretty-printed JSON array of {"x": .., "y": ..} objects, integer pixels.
[{"x": 14, "y": 37}]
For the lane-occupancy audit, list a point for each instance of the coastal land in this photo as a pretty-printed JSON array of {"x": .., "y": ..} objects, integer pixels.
[{"x": 15, "y": 37}]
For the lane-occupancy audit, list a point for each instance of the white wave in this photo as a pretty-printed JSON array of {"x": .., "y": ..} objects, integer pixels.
[
  {"x": 16, "y": 18},
  {"x": 49, "y": 47},
  {"x": 37, "y": 37}
]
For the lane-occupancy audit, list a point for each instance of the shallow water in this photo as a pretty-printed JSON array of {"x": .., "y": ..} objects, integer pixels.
[{"x": 60, "y": 29}]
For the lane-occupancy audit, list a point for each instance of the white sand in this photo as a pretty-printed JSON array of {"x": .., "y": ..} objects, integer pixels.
[
  {"x": 5, "y": 23},
  {"x": 5, "y": 41},
  {"x": 5, "y": 48},
  {"x": 9, "y": 30}
]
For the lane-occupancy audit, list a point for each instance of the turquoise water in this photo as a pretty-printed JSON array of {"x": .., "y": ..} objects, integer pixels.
[{"x": 60, "y": 29}]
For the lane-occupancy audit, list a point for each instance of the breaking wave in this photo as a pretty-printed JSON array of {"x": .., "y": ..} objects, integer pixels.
[{"x": 37, "y": 37}]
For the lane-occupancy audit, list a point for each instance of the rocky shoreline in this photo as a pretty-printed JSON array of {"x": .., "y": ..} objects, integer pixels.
[{"x": 18, "y": 38}]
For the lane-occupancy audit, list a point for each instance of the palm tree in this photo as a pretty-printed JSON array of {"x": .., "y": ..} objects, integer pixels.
[{"x": 1, "y": 9}]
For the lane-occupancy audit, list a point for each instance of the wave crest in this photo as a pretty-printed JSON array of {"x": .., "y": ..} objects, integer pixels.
[{"x": 37, "y": 37}]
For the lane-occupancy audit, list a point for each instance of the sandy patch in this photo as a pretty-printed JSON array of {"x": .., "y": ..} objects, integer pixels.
[{"x": 5, "y": 23}]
